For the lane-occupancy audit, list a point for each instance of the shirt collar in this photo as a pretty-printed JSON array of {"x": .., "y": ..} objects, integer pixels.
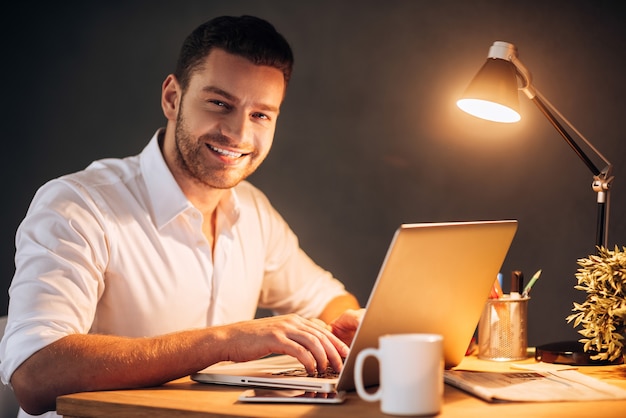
[
  {"x": 166, "y": 197},
  {"x": 230, "y": 206}
]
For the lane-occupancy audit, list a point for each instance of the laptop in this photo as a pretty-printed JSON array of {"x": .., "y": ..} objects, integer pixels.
[{"x": 435, "y": 278}]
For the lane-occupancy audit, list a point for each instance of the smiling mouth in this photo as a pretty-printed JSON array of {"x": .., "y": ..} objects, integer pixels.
[{"x": 225, "y": 153}]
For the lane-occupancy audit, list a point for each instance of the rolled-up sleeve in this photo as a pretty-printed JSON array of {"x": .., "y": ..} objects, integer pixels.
[{"x": 58, "y": 276}]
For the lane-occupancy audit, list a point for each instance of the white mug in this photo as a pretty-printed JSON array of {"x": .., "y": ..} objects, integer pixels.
[{"x": 411, "y": 374}]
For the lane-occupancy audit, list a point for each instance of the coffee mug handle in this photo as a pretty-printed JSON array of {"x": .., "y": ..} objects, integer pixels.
[{"x": 358, "y": 375}]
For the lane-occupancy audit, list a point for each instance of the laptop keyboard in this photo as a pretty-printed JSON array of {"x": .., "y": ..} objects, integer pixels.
[{"x": 329, "y": 373}]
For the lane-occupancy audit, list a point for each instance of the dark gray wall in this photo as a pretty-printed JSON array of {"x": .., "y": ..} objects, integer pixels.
[{"x": 369, "y": 136}]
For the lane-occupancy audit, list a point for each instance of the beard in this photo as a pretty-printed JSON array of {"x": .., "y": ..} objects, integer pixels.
[{"x": 192, "y": 160}]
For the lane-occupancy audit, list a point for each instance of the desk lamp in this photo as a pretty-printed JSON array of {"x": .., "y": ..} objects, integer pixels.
[{"x": 493, "y": 95}]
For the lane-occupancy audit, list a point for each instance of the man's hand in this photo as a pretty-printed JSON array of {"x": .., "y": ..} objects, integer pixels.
[
  {"x": 345, "y": 326},
  {"x": 310, "y": 341}
]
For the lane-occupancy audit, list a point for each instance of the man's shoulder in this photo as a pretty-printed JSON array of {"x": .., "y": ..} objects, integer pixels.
[
  {"x": 101, "y": 178},
  {"x": 104, "y": 172}
]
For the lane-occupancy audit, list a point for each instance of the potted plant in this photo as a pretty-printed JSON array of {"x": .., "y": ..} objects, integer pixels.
[{"x": 603, "y": 314}]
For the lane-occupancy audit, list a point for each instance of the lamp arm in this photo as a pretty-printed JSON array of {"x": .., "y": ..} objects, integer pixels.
[
  {"x": 570, "y": 141},
  {"x": 601, "y": 178},
  {"x": 549, "y": 110}
]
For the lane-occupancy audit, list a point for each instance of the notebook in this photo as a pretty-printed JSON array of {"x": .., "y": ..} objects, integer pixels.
[{"x": 435, "y": 278}]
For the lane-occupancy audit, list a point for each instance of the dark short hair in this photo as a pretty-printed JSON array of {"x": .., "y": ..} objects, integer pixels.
[{"x": 250, "y": 37}]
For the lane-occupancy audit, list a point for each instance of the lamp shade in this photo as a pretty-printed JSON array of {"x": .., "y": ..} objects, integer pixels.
[{"x": 493, "y": 93}]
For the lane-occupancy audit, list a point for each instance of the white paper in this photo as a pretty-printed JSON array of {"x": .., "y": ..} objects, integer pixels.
[{"x": 533, "y": 385}]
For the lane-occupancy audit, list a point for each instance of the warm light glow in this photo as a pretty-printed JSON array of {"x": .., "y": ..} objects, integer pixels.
[{"x": 488, "y": 110}]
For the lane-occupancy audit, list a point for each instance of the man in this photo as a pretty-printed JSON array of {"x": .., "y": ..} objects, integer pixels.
[{"x": 141, "y": 270}]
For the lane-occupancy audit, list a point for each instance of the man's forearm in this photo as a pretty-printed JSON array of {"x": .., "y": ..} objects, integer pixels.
[{"x": 78, "y": 363}]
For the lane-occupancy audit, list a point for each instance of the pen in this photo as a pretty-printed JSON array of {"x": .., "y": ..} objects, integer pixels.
[
  {"x": 531, "y": 283},
  {"x": 517, "y": 279}
]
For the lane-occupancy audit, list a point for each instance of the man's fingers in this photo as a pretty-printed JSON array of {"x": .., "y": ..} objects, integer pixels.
[
  {"x": 322, "y": 344},
  {"x": 321, "y": 324},
  {"x": 310, "y": 341},
  {"x": 315, "y": 340},
  {"x": 335, "y": 349}
]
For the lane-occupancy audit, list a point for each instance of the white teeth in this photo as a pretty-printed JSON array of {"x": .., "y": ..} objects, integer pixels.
[{"x": 226, "y": 152}]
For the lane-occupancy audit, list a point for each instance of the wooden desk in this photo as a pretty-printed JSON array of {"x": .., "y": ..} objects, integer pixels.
[{"x": 184, "y": 398}]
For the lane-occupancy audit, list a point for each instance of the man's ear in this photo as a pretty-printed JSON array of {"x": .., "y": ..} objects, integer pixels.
[{"x": 171, "y": 95}]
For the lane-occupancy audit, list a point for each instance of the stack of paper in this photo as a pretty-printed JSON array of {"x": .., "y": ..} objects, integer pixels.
[{"x": 533, "y": 385}]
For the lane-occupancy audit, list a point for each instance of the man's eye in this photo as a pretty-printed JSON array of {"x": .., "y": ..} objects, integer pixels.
[
  {"x": 261, "y": 116},
  {"x": 219, "y": 103}
]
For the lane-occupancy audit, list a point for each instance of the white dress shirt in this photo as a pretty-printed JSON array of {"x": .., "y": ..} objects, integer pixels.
[{"x": 118, "y": 249}]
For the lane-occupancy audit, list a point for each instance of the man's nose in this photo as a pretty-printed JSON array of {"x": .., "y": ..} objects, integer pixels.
[{"x": 236, "y": 126}]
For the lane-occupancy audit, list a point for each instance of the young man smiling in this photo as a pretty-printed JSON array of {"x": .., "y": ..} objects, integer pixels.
[{"x": 137, "y": 271}]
